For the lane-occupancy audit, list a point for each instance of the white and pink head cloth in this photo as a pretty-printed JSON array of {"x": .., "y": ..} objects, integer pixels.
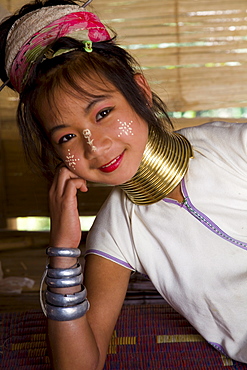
[{"x": 34, "y": 32}]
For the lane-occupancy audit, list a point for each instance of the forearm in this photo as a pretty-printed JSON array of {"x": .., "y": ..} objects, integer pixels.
[{"x": 72, "y": 343}]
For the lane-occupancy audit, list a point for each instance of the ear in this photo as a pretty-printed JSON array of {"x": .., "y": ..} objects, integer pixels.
[{"x": 143, "y": 84}]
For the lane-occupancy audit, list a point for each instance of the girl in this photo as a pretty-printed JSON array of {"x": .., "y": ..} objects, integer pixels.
[{"x": 178, "y": 209}]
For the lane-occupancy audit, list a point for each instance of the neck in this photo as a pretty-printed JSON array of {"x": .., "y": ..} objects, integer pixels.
[{"x": 164, "y": 163}]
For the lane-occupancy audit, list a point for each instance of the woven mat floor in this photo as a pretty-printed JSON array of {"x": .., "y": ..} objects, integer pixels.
[{"x": 146, "y": 337}]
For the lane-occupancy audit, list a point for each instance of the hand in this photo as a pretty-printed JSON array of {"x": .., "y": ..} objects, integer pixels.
[{"x": 65, "y": 223}]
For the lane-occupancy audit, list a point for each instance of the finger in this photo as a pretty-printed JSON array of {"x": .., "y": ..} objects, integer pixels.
[
  {"x": 56, "y": 176},
  {"x": 63, "y": 176},
  {"x": 72, "y": 185},
  {"x": 66, "y": 190}
]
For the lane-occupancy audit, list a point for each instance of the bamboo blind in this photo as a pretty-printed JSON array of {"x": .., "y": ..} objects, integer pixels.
[{"x": 193, "y": 53}]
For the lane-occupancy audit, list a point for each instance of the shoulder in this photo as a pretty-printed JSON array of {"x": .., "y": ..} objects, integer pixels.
[
  {"x": 216, "y": 132},
  {"x": 224, "y": 143},
  {"x": 117, "y": 202},
  {"x": 110, "y": 236},
  {"x": 113, "y": 216}
]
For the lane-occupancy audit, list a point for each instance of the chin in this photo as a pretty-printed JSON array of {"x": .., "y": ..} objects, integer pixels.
[
  {"x": 123, "y": 180},
  {"x": 115, "y": 183},
  {"x": 118, "y": 181}
]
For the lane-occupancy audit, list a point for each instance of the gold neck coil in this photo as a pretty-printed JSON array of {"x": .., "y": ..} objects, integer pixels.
[{"x": 164, "y": 163}]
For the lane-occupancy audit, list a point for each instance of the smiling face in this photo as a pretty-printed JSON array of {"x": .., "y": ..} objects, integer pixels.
[{"x": 100, "y": 138}]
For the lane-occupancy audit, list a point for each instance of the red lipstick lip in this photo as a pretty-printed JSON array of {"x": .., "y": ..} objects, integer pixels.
[{"x": 112, "y": 165}]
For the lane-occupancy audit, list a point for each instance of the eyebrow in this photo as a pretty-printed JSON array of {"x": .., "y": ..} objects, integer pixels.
[
  {"x": 87, "y": 109},
  {"x": 56, "y": 128},
  {"x": 92, "y": 103}
]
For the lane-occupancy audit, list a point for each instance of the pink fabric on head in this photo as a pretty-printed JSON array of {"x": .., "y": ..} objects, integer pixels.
[{"x": 67, "y": 25}]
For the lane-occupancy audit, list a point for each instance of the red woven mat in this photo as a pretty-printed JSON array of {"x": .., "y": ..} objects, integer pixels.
[{"x": 146, "y": 337}]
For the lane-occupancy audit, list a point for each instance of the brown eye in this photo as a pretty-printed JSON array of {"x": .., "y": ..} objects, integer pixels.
[
  {"x": 102, "y": 114},
  {"x": 66, "y": 138}
]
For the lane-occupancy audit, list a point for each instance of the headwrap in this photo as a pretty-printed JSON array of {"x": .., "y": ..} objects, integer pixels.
[{"x": 31, "y": 34}]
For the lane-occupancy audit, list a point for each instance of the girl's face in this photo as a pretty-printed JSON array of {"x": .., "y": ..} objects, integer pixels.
[{"x": 101, "y": 139}]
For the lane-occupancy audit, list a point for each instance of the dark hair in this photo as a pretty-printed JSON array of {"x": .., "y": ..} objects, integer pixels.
[{"x": 108, "y": 61}]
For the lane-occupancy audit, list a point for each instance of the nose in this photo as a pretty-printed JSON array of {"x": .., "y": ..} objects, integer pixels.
[{"x": 96, "y": 143}]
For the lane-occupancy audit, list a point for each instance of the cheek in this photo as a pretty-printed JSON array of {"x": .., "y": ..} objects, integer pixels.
[
  {"x": 70, "y": 160},
  {"x": 125, "y": 128}
]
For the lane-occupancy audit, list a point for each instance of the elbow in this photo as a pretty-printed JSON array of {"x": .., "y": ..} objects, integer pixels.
[{"x": 78, "y": 362}]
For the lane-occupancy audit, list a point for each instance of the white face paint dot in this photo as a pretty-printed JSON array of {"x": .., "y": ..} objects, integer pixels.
[
  {"x": 71, "y": 160},
  {"x": 87, "y": 135},
  {"x": 125, "y": 128}
]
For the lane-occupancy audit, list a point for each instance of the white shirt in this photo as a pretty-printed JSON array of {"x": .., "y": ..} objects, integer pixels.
[{"x": 195, "y": 253}]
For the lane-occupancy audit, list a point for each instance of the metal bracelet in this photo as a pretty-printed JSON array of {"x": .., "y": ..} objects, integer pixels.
[
  {"x": 66, "y": 313},
  {"x": 64, "y": 282},
  {"x": 59, "y": 273},
  {"x": 62, "y": 300},
  {"x": 63, "y": 252}
]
